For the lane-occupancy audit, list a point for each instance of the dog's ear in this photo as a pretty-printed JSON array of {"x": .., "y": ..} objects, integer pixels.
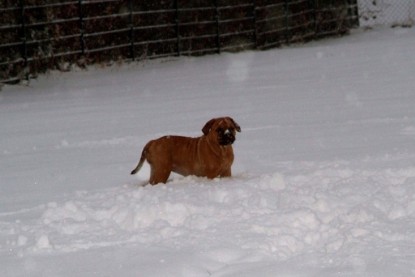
[
  {"x": 236, "y": 125},
  {"x": 208, "y": 126}
]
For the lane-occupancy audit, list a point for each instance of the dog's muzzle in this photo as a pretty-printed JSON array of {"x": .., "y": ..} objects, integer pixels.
[{"x": 226, "y": 137}]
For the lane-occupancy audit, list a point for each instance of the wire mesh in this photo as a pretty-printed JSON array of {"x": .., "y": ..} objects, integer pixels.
[
  {"x": 36, "y": 36},
  {"x": 386, "y": 12}
]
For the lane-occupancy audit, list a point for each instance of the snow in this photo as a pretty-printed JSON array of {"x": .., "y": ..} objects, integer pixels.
[{"x": 323, "y": 180}]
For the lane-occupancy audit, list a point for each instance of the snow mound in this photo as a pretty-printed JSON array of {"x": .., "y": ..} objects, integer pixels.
[{"x": 242, "y": 219}]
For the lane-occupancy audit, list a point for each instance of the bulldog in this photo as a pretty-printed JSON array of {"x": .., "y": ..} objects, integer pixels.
[{"x": 210, "y": 155}]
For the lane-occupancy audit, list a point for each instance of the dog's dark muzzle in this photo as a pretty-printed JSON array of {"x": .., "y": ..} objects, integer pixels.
[{"x": 226, "y": 137}]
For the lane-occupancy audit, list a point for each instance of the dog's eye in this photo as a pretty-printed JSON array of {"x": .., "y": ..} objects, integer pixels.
[{"x": 219, "y": 130}]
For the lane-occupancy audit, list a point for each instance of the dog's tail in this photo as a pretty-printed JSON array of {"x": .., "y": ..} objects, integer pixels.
[{"x": 141, "y": 162}]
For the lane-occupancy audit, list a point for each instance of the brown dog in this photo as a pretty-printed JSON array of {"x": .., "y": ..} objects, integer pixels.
[{"x": 210, "y": 155}]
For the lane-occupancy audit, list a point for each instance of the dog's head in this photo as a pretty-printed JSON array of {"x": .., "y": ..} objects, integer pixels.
[{"x": 223, "y": 129}]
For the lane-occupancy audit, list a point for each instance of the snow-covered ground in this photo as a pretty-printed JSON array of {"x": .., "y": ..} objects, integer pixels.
[{"x": 324, "y": 171}]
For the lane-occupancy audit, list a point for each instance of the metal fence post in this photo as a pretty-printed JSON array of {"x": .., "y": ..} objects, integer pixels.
[
  {"x": 217, "y": 25},
  {"x": 131, "y": 22},
  {"x": 177, "y": 27},
  {"x": 23, "y": 37},
  {"x": 313, "y": 7},
  {"x": 81, "y": 27},
  {"x": 255, "y": 27},
  {"x": 287, "y": 25},
  {"x": 353, "y": 13}
]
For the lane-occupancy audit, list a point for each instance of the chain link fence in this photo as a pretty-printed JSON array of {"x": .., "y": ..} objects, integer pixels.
[
  {"x": 386, "y": 12},
  {"x": 40, "y": 35}
]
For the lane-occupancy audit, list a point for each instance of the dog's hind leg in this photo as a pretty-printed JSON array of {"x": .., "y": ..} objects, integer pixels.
[{"x": 159, "y": 175}]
